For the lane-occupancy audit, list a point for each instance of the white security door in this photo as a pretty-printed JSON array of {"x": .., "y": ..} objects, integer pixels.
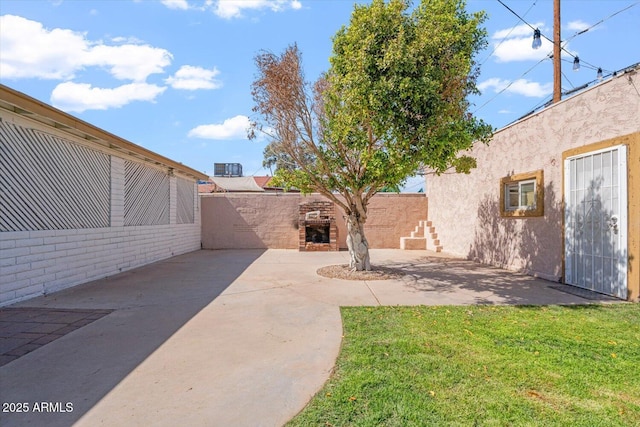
[{"x": 595, "y": 221}]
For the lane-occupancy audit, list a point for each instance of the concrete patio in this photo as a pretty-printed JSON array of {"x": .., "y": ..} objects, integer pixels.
[{"x": 218, "y": 338}]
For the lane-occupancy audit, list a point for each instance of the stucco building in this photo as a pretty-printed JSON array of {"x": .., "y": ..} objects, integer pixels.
[{"x": 555, "y": 194}]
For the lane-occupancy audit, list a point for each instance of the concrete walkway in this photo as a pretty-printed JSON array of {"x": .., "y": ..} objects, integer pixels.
[{"x": 227, "y": 338}]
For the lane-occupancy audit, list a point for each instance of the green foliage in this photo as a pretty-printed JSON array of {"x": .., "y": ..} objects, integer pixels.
[
  {"x": 464, "y": 164},
  {"x": 402, "y": 79},
  {"x": 393, "y": 102},
  {"x": 484, "y": 365}
]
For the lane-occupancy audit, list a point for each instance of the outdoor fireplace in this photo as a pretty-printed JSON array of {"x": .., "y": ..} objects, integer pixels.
[{"x": 317, "y": 227}]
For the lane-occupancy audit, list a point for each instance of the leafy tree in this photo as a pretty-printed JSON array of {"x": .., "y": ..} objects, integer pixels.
[{"x": 394, "y": 101}]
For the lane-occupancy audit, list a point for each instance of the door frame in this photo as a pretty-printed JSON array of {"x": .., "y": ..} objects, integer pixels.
[{"x": 631, "y": 144}]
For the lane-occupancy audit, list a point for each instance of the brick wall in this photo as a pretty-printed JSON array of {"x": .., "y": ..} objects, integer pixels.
[
  {"x": 39, "y": 262},
  {"x": 327, "y": 214}
]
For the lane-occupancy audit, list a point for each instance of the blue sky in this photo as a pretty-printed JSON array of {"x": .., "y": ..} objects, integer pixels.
[{"x": 174, "y": 76}]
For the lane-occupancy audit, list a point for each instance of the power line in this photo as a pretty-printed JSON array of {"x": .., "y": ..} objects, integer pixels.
[
  {"x": 509, "y": 85},
  {"x": 600, "y": 22},
  {"x": 550, "y": 54},
  {"x": 519, "y": 17},
  {"x": 562, "y": 44},
  {"x": 507, "y": 35},
  {"x": 254, "y": 174},
  {"x": 547, "y": 100}
]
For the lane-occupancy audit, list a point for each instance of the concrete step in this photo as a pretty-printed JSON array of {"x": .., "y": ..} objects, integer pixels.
[
  {"x": 419, "y": 237},
  {"x": 413, "y": 243}
]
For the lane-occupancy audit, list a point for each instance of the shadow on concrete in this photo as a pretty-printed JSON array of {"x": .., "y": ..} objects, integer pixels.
[
  {"x": 535, "y": 245},
  {"x": 26, "y": 329},
  {"x": 464, "y": 281},
  {"x": 151, "y": 303}
]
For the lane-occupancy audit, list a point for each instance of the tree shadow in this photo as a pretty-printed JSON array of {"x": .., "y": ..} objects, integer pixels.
[
  {"x": 495, "y": 239},
  {"x": 540, "y": 246},
  {"x": 466, "y": 281},
  {"x": 535, "y": 245},
  {"x": 594, "y": 228}
]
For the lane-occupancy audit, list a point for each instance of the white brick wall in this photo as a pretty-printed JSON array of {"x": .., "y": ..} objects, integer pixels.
[{"x": 39, "y": 262}]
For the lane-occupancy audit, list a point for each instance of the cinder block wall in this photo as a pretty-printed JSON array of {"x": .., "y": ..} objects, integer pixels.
[
  {"x": 270, "y": 220},
  {"x": 45, "y": 241},
  {"x": 39, "y": 262}
]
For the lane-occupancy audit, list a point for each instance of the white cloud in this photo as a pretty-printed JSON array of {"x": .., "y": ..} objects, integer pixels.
[
  {"x": 126, "y": 40},
  {"x": 192, "y": 78},
  {"x": 229, "y": 9},
  {"x": 31, "y": 51},
  {"x": 514, "y": 44},
  {"x": 519, "y": 87},
  {"x": 176, "y": 4},
  {"x": 78, "y": 97},
  {"x": 129, "y": 61},
  {"x": 531, "y": 89},
  {"x": 577, "y": 26},
  {"x": 233, "y": 128},
  {"x": 494, "y": 82},
  {"x": 519, "y": 49},
  {"x": 517, "y": 31}
]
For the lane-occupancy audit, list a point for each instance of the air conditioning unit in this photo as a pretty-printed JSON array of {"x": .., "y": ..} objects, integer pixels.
[{"x": 227, "y": 169}]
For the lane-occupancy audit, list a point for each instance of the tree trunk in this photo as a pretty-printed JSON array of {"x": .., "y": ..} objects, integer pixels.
[{"x": 357, "y": 244}]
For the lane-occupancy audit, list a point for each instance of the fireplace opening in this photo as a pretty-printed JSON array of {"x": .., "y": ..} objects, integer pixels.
[
  {"x": 317, "y": 233},
  {"x": 317, "y": 226}
]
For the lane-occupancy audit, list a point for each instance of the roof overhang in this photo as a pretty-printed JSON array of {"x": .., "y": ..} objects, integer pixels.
[{"x": 24, "y": 105}]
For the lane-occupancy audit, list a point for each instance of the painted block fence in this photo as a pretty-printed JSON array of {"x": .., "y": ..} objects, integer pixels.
[
  {"x": 53, "y": 188},
  {"x": 270, "y": 220},
  {"x": 39, "y": 262}
]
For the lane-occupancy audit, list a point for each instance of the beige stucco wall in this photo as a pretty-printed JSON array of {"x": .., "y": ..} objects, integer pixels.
[
  {"x": 465, "y": 208},
  {"x": 270, "y": 220}
]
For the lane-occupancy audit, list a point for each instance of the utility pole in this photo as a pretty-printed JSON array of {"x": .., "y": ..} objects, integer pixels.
[{"x": 557, "y": 59}]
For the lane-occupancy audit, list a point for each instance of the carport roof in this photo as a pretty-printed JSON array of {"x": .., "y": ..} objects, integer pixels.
[{"x": 24, "y": 105}]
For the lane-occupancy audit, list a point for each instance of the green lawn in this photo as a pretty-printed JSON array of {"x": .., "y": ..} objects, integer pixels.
[{"x": 484, "y": 365}]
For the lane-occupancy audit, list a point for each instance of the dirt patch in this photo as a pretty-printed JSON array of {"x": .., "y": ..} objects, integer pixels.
[{"x": 344, "y": 272}]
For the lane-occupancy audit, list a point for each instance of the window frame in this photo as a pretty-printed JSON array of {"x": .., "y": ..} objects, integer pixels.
[{"x": 535, "y": 177}]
